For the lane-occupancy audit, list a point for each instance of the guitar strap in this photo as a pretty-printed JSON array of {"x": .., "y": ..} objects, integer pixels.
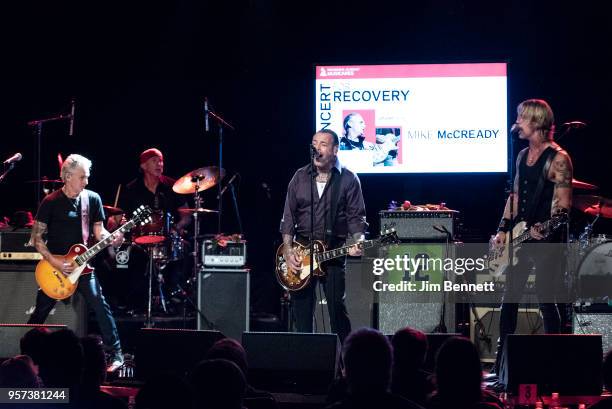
[
  {"x": 330, "y": 220},
  {"x": 85, "y": 215}
]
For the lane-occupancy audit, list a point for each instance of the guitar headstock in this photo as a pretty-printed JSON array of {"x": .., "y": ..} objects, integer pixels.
[
  {"x": 389, "y": 235},
  {"x": 142, "y": 215}
]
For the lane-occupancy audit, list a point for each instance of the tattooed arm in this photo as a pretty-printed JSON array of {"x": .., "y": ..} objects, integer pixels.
[
  {"x": 36, "y": 239},
  {"x": 562, "y": 173}
]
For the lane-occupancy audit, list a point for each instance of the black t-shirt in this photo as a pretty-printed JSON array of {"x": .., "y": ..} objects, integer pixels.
[
  {"x": 164, "y": 198},
  {"x": 62, "y": 215}
]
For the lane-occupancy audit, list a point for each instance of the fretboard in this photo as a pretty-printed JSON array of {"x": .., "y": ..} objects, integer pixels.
[
  {"x": 546, "y": 226},
  {"x": 102, "y": 244},
  {"x": 343, "y": 251}
]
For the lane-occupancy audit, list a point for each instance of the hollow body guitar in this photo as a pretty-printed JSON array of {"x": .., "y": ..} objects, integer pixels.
[
  {"x": 59, "y": 285},
  {"x": 294, "y": 280}
]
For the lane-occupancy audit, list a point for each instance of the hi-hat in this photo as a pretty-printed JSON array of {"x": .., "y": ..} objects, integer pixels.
[
  {"x": 198, "y": 210},
  {"x": 593, "y": 205},
  {"x": 578, "y": 184},
  {"x": 203, "y": 178},
  {"x": 44, "y": 179},
  {"x": 112, "y": 211}
]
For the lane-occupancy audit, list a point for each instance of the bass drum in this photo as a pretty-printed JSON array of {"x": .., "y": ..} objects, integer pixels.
[{"x": 595, "y": 273}]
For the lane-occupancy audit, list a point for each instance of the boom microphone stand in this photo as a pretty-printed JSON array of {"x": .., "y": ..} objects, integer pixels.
[{"x": 209, "y": 113}]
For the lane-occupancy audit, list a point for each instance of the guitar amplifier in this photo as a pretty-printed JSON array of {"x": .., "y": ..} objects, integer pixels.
[
  {"x": 233, "y": 254},
  {"x": 412, "y": 225},
  {"x": 16, "y": 241}
]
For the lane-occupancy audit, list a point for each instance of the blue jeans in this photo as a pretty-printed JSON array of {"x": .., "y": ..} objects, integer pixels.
[{"x": 89, "y": 287}]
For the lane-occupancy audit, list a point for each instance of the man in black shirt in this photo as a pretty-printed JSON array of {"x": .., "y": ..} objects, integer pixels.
[
  {"x": 336, "y": 188},
  {"x": 65, "y": 217},
  {"x": 152, "y": 188}
]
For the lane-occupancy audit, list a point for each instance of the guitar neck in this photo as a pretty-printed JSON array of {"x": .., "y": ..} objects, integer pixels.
[
  {"x": 102, "y": 244},
  {"x": 525, "y": 235},
  {"x": 342, "y": 251}
]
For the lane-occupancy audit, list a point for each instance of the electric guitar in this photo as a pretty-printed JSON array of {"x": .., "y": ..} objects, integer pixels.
[
  {"x": 294, "y": 280},
  {"x": 59, "y": 285},
  {"x": 498, "y": 257}
]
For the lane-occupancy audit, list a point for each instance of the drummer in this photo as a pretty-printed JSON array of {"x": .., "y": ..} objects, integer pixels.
[{"x": 154, "y": 189}]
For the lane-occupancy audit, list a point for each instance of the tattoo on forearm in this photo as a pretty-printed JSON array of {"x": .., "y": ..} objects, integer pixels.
[{"x": 36, "y": 238}]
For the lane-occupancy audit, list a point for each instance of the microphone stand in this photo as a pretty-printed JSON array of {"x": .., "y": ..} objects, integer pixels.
[
  {"x": 313, "y": 175},
  {"x": 441, "y": 327},
  {"x": 221, "y": 124},
  {"x": 38, "y": 123}
]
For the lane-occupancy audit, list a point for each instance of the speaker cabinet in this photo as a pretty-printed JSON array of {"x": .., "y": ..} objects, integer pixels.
[
  {"x": 11, "y": 334},
  {"x": 484, "y": 328},
  {"x": 568, "y": 364},
  {"x": 223, "y": 298},
  {"x": 292, "y": 362},
  {"x": 175, "y": 351},
  {"x": 421, "y": 310},
  {"x": 595, "y": 323},
  {"x": 18, "y": 290}
]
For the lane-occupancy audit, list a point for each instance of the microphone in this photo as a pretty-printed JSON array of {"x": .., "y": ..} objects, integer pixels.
[
  {"x": 72, "y": 106},
  {"x": 575, "y": 124},
  {"x": 266, "y": 187},
  {"x": 15, "y": 158},
  {"x": 227, "y": 185},
  {"x": 206, "y": 124},
  {"x": 515, "y": 129}
]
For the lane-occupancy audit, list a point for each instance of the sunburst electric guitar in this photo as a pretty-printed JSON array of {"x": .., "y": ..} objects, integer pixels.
[
  {"x": 59, "y": 285},
  {"x": 498, "y": 259},
  {"x": 294, "y": 280}
]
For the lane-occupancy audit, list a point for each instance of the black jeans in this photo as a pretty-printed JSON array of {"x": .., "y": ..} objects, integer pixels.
[
  {"x": 90, "y": 288},
  {"x": 546, "y": 262},
  {"x": 303, "y": 301}
]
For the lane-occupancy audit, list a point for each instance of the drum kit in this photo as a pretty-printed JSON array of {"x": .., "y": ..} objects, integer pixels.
[
  {"x": 162, "y": 243},
  {"x": 591, "y": 254}
]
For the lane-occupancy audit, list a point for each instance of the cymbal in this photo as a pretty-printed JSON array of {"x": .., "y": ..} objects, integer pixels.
[
  {"x": 578, "y": 184},
  {"x": 593, "y": 205},
  {"x": 198, "y": 210},
  {"x": 112, "y": 211},
  {"x": 208, "y": 177},
  {"x": 44, "y": 179}
]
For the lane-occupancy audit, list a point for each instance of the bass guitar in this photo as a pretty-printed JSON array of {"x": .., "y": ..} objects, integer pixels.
[
  {"x": 498, "y": 259},
  {"x": 294, "y": 280},
  {"x": 59, "y": 285}
]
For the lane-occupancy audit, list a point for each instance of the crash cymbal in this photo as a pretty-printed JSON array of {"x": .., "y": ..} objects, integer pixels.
[
  {"x": 578, "y": 184},
  {"x": 206, "y": 177},
  {"x": 593, "y": 205},
  {"x": 112, "y": 211},
  {"x": 44, "y": 179},
  {"x": 198, "y": 210}
]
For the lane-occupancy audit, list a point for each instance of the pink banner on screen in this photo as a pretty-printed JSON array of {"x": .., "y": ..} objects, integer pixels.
[{"x": 412, "y": 71}]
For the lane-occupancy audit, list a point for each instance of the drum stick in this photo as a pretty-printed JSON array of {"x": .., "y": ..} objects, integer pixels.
[{"x": 117, "y": 195}]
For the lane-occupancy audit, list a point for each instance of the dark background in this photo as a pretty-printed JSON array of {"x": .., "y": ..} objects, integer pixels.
[{"x": 140, "y": 71}]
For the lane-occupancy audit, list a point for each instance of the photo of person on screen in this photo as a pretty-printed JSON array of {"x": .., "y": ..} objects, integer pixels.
[
  {"x": 354, "y": 133},
  {"x": 387, "y": 143}
]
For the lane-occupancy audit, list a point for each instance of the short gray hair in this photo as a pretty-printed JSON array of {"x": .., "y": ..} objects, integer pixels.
[{"x": 72, "y": 162}]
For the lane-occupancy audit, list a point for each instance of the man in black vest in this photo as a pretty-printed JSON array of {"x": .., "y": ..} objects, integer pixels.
[{"x": 542, "y": 189}]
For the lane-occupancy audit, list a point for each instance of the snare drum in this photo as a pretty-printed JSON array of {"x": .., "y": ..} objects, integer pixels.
[{"x": 153, "y": 232}]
